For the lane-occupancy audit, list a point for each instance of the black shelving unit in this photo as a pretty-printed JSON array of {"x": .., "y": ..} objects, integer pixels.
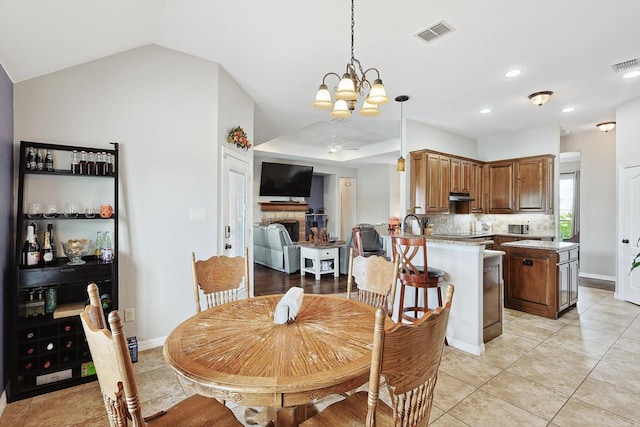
[{"x": 48, "y": 349}]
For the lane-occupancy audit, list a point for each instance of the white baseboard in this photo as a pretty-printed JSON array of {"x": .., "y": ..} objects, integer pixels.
[
  {"x": 152, "y": 343},
  {"x": 597, "y": 276}
]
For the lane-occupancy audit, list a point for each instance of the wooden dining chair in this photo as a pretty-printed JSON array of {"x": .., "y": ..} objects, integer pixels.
[
  {"x": 414, "y": 272},
  {"x": 375, "y": 278},
  {"x": 407, "y": 356},
  {"x": 112, "y": 362},
  {"x": 219, "y": 278}
]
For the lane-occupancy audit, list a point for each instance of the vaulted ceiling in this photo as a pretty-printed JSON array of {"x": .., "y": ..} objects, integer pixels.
[{"x": 279, "y": 50}]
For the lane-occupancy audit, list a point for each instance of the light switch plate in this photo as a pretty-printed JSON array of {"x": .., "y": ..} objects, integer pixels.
[{"x": 197, "y": 214}]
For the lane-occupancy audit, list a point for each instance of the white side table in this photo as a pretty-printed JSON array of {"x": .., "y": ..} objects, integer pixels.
[{"x": 317, "y": 254}]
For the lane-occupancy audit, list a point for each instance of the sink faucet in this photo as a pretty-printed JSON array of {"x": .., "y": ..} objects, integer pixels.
[{"x": 404, "y": 221}]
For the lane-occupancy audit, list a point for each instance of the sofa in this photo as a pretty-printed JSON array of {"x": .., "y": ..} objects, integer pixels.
[
  {"x": 273, "y": 248},
  {"x": 372, "y": 243}
]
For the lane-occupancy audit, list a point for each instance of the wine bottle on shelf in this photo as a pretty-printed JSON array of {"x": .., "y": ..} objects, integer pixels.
[
  {"x": 75, "y": 166},
  {"x": 99, "y": 163},
  {"x": 47, "y": 252},
  {"x": 83, "y": 163},
  {"x": 107, "y": 251},
  {"x": 109, "y": 166},
  {"x": 99, "y": 246},
  {"x": 48, "y": 161},
  {"x": 30, "y": 250},
  {"x": 52, "y": 240},
  {"x": 91, "y": 164},
  {"x": 31, "y": 160},
  {"x": 39, "y": 160}
]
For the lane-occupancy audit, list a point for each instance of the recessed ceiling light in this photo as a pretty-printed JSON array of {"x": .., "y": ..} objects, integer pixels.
[
  {"x": 485, "y": 110},
  {"x": 513, "y": 73},
  {"x": 568, "y": 109},
  {"x": 631, "y": 74}
]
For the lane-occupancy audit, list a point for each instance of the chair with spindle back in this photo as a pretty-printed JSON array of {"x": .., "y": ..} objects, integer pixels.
[
  {"x": 407, "y": 356},
  {"x": 414, "y": 272},
  {"x": 375, "y": 278},
  {"x": 220, "y": 279},
  {"x": 112, "y": 362}
]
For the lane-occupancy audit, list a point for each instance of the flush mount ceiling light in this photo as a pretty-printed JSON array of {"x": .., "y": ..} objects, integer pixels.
[
  {"x": 606, "y": 126},
  {"x": 401, "y": 99},
  {"x": 352, "y": 84},
  {"x": 540, "y": 98}
]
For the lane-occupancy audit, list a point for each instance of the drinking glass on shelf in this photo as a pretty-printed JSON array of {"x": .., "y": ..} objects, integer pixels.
[
  {"x": 50, "y": 210},
  {"x": 35, "y": 210},
  {"x": 89, "y": 212},
  {"x": 71, "y": 210}
]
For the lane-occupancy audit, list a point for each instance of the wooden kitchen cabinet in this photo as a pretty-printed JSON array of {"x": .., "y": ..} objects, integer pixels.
[
  {"x": 418, "y": 182},
  {"x": 460, "y": 175},
  {"x": 476, "y": 188},
  {"x": 438, "y": 182},
  {"x": 498, "y": 177},
  {"x": 533, "y": 190}
]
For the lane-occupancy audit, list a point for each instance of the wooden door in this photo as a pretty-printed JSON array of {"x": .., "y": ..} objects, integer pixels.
[{"x": 499, "y": 181}]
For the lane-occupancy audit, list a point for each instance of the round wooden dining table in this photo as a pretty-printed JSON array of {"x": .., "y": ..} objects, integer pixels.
[{"x": 237, "y": 353}]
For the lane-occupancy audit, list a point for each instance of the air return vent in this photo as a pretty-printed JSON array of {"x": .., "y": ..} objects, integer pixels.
[
  {"x": 625, "y": 65},
  {"x": 435, "y": 31}
]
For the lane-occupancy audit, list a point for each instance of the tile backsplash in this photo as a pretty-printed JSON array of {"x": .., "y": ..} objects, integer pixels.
[{"x": 457, "y": 223}]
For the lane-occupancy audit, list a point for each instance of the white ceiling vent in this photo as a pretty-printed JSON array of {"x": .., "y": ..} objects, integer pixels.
[
  {"x": 435, "y": 31},
  {"x": 625, "y": 65}
]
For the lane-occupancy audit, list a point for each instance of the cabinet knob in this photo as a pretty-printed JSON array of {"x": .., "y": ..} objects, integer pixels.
[
  {"x": 227, "y": 246},
  {"x": 625, "y": 241}
]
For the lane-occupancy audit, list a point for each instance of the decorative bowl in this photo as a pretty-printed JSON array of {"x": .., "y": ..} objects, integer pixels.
[{"x": 75, "y": 249}]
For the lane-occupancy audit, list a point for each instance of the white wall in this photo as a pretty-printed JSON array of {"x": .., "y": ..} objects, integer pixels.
[
  {"x": 162, "y": 106},
  {"x": 597, "y": 201},
  {"x": 378, "y": 194}
]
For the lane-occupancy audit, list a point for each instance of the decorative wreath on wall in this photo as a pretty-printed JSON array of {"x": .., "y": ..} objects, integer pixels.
[{"x": 238, "y": 136}]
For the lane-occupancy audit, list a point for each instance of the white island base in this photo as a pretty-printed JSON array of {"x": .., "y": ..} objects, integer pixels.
[{"x": 463, "y": 264}]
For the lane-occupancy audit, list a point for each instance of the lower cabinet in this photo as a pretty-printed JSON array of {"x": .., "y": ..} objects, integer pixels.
[
  {"x": 492, "y": 295},
  {"x": 541, "y": 282}
]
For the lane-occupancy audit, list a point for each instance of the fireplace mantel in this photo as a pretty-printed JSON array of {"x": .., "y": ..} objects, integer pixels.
[{"x": 283, "y": 206}]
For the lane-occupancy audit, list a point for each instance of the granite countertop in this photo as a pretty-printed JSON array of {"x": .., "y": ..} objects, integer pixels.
[{"x": 544, "y": 245}]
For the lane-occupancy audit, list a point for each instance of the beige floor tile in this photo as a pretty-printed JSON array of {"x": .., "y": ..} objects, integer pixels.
[
  {"x": 450, "y": 391},
  {"x": 447, "y": 420},
  {"x": 526, "y": 394},
  {"x": 609, "y": 397},
  {"x": 467, "y": 368},
  {"x": 525, "y": 329},
  {"x": 563, "y": 378},
  {"x": 610, "y": 314},
  {"x": 545, "y": 323},
  {"x": 505, "y": 349},
  {"x": 484, "y": 409},
  {"x": 600, "y": 325},
  {"x": 550, "y": 353},
  {"x": 574, "y": 330},
  {"x": 591, "y": 348},
  {"x": 14, "y": 413},
  {"x": 158, "y": 383},
  {"x": 64, "y": 410},
  {"x": 509, "y": 314},
  {"x": 632, "y": 332},
  {"x": 576, "y": 413},
  {"x": 149, "y": 360},
  {"x": 628, "y": 344}
]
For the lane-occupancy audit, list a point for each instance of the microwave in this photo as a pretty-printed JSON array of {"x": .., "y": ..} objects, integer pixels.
[{"x": 518, "y": 228}]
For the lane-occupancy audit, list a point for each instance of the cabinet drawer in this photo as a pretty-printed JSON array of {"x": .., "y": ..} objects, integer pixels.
[
  {"x": 563, "y": 257},
  {"x": 327, "y": 253},
  {"x": 63, "y": 274},
  {"x": 573, "y": 253}
]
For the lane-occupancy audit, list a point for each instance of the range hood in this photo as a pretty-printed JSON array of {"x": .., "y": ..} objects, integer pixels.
[{"x": 460, "y": 197}]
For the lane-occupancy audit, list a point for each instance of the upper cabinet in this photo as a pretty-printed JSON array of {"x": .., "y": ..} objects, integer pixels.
[
  {"x": 534, "y": 184},
  {"x": 523, "y": 185}
]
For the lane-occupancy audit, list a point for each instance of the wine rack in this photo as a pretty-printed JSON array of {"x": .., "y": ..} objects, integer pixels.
[{"x": 49, "y": 350}]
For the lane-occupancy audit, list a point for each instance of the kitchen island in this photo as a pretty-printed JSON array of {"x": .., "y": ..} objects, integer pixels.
[
  {"x": 541, "y": 277},
  {"x": 462, "y": 259}
]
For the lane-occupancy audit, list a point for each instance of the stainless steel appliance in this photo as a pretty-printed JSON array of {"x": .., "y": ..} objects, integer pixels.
[{"x": 519, "y": 228}]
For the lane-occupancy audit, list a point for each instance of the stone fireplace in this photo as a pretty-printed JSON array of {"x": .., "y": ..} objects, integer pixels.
[{"x": 285, "y": 213}]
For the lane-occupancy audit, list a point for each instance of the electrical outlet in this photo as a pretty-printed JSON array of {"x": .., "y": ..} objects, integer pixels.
[{"x": 129, "y": 315}]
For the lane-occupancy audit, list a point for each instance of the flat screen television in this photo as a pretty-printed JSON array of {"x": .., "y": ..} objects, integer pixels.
[{"x": 278, "y": 179}]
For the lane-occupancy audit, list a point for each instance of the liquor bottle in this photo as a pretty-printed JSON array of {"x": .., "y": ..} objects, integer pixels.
[
  {"x": 83, "y": 163},
  {"x": 99, "y": 163},
  {"x": 47, "y": 252},
  {"x": 52, "y": 240},
  {"x": 48, "y": 161},
  {"x": 91, "y": 164},
  {"x": 75, "y": 166},
  {"x": 99, "y": 246},
  {"x": 31, "y": 160},
  {"x": 107, "y": 251},
  {"x": 30, "y": 251},
  {"x": 39, "y": 160}
]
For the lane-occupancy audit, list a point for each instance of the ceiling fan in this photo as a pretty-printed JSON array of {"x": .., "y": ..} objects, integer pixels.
[{"x": 334, "y": 144}]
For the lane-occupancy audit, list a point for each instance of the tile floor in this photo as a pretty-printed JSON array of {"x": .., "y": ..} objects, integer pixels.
[{"x": 580, "y": 370}]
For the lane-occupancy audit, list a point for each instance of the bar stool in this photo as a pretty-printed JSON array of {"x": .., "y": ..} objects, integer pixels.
[{"x": 419, "y": 276}]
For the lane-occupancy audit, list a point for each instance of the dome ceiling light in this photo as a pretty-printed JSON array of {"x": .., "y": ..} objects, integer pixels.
[
  {"x": 540, "y": 98},
  {"x": 606, "y": 126}
]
